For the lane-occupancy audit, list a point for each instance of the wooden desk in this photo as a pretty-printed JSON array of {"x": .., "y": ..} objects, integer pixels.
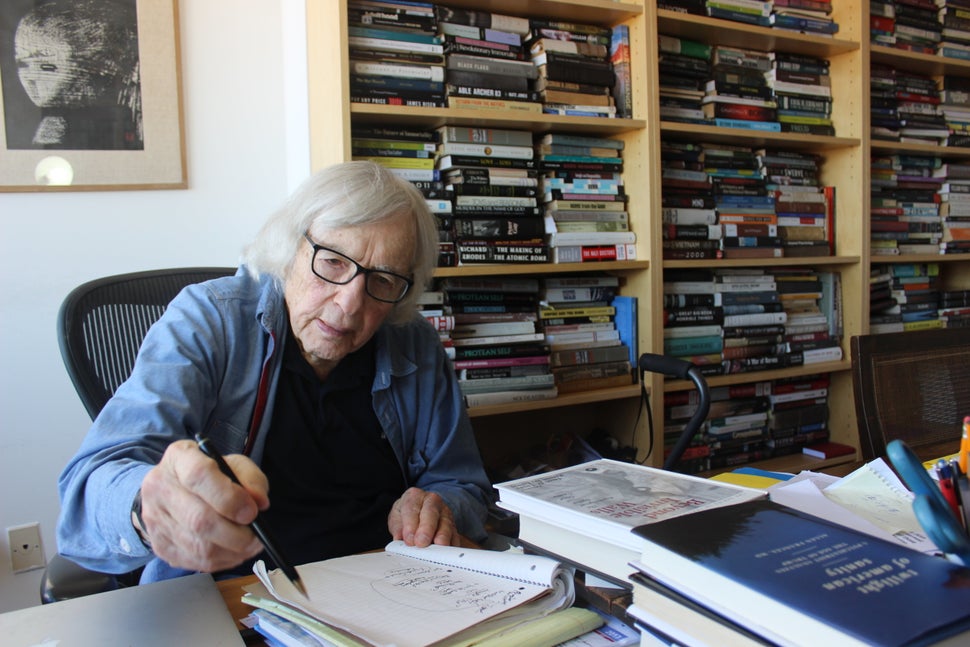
[{"x": 232, "y": 592}]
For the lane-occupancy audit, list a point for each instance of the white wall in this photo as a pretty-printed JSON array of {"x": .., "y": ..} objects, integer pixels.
[{"x": 240, "y": 168}]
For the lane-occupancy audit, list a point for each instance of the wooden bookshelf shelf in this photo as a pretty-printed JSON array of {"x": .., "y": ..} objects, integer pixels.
[
  {"x": 946, "y": 152},
  {"x": 919, "y": 63},
  {"x": 738, "y": 34},
  {"x": 672, "y": 386},
  {"x": 791, "y": 261},
  {"x": 436, "y": 117},
  {"x": 541, "y": 268},
  {"x": 753, "y": 138},
  {"x": 570, "y": 399}
]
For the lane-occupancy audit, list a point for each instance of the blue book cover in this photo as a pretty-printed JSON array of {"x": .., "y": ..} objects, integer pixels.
[
  {"x": 771, "y": 126},
  {"x": 797, "y": 579},
  {"x": 625, "y": 321},
  {"x": 387, "y": 34}
]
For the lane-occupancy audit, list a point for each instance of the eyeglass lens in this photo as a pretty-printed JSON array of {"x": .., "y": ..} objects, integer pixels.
[{"x": 336, "y": 268}]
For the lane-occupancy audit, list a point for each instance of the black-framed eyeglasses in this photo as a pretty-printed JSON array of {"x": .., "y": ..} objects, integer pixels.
[{"x": 333, "y": 267}]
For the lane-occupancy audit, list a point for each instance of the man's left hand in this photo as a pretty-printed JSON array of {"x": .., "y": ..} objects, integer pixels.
[{"x": 421, "y": 518}]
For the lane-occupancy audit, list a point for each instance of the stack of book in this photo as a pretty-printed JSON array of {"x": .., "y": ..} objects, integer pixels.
[
  {"x": 585, "y": 205},
  {"x": 396, "y": 55},
  {"x": 737, "y": 94},
  {"x": 408, "y": 152},
  {"x": 684, "y": 71},
  {"x": 805, "y": 16},
  {"x": 752, "y": 12},
  {"x": 813, "y": 327},
  {"x": 690, "y": 220},
  {"x": 954, "y": 206},
  {"x": 736, "y": 433},
  {"x": 745, "y": 206},
  {"x": 496, "y": 216},
  {"x": 694, "y": 318},
  {"x": 584, "y": 333},
  {"x": 584, "y": 514},
  {"x": 489, "y": 39},
  {"x": 954, "y": 16},
  {"x": 905, "y": 106},
  {"x": 884, "y": 121},
  {"x": 918, "y": 101},
  {"x": 431, "y": 306},
  {"x": 882, "y": 22},
  {"x": 881, "y": 301},
  {"x": 485, "y": 175},
  {"x": 693, "y": 7},
  {"x": 904, "y": 198},
  {"x": 727, "y": 402},
  {"x": 955, "y": 107},
  {"x": 805, "y": 209},
  {"x": 955, "y": 309},
  {"x": 762, "y": 573},
  {"x": 500, "y": 355},
  {"x": 798, "y": 413},
  {"x": 916, "y": 289},
  {"x": 752, "y": 324},
  {"x": 802, "y": 89},
  {"x": 575, "y": 72},
  {"x": 483, "y": 74},
  {"x": 582, "y": 365},
  {"x": 917, "y": 27}
]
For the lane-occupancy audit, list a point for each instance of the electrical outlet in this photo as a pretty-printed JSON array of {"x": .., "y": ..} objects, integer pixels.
[{"x": 26, "y": 548}]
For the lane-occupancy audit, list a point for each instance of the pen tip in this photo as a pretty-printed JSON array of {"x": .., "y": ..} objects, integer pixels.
[{"x": 298, "y": 583}]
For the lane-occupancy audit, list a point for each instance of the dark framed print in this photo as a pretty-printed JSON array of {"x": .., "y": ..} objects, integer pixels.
[{"x": 90, "y": 95}]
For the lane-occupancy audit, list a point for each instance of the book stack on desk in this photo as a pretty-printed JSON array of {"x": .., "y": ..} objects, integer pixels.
[
  {"x": 585, "y": 514},
  {"x": 761, "y": 573}
]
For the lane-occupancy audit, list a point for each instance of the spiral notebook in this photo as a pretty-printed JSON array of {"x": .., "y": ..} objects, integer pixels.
[{"x": 420, "y": 596}]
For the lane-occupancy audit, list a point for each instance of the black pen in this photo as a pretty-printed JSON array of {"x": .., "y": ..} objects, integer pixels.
[{"x": 272, "y": 548}]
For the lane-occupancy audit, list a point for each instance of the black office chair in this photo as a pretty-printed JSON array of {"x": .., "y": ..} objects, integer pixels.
[
  {"x": 684, "y": 370},
  {"x": 914, "y": 386},
  {"x": 100, "y": 327}
]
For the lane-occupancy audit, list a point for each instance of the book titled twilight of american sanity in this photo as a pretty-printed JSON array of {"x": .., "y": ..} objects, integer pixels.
[{"x": 796, "y": 579}]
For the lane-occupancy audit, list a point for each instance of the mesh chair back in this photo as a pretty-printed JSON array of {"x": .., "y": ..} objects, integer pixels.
[
  {"x": 914, "y": 386},
  {"x": 102, "y": 323}
]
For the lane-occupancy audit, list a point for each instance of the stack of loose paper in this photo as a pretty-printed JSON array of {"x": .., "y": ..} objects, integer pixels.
[{"x": 437, "y": 595}]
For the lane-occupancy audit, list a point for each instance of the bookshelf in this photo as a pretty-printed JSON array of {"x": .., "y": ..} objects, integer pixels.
[{"x": 846, "y": 167}]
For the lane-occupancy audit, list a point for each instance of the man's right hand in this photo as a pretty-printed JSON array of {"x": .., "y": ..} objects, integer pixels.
[{"x": 194, "y": 516}]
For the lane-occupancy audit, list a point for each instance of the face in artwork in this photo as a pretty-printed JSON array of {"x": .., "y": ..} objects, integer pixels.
[{"x": 331, "y": 321}]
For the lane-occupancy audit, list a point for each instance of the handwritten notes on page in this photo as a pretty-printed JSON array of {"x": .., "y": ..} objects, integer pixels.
[
  {"x": 420, "y": 596},
  {"x": 871, "y": 499}
]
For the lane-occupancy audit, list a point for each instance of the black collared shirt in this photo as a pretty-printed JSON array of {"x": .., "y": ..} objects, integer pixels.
[{"x": 332, "y": 475}]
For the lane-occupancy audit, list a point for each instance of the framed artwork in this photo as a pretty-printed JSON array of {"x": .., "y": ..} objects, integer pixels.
[{"x": 90, "y": 95}]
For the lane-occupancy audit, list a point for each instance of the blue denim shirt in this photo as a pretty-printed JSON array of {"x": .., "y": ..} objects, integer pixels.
[{"x": 211, "y": 365}]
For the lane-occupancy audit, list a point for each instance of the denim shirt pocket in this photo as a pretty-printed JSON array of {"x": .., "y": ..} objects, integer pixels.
[{"x": 227, "y": 438}]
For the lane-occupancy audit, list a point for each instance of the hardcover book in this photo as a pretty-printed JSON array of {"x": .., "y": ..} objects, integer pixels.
[
  {"x": 586, "y": 513},
  {"x": 797, "y": 579}
]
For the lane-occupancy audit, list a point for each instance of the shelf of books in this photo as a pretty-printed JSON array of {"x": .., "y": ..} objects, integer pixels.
[
  {"x": 517, "y": 121},
  {"x": 720, "y": 142},
  {"x": 919, "y": 219},
  {"x": 761, "y": 151}
]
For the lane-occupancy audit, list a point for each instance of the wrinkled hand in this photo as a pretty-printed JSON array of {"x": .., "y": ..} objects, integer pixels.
[
  {"x": 421, "y": 518},
  {"x": 195, "y": 517}
]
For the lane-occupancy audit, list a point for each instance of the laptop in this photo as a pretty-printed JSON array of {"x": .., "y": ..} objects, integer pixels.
[{"x": 182, "y": 611}]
